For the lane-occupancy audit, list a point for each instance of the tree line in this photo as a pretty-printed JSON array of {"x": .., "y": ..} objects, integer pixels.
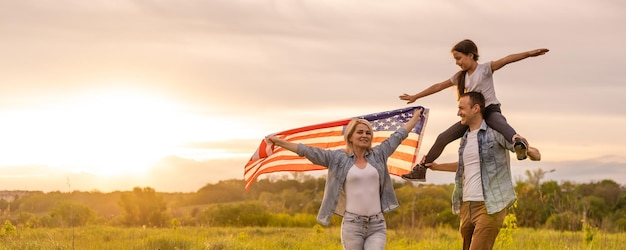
[{"x": 293, "y": 201}]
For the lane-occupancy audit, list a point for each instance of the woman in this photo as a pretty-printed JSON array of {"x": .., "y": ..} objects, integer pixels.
[
  {"x": 358, "y": 186},
  {"x": 478, "y": 78}
]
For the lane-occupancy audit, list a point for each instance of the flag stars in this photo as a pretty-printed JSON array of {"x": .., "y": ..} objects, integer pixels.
[{"x": 389, "y": 120}]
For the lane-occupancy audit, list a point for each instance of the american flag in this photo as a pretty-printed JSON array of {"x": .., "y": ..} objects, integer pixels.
[{"x": 269, "y": 158}]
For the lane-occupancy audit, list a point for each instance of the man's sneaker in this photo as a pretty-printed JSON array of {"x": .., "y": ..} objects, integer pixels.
[
  {"x": 520, "y": 148},
  {"x": 418, "y": 173}
]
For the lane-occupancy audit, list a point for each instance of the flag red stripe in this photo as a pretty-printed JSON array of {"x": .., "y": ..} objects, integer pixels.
[
  {"x": 403, "y": 156},
  {"x": 285, "y": 167},
  {"x": 314, "y": 127},
  {"x": 397, "y": 171}
]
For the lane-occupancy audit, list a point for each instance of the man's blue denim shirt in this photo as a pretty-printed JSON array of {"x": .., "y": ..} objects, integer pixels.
[
  {"x": 495, "y": 171},
  {"x": 339, "y": 162}
]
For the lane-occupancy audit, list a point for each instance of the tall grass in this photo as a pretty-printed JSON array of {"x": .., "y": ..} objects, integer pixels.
[{"x": 214, "y": 238}]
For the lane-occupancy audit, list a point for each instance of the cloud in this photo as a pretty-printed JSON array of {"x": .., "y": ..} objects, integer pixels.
[{"x": 611, "y": 167}]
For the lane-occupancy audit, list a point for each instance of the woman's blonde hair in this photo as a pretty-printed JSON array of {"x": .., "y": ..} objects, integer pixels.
[{"x": 350, "y": 128}]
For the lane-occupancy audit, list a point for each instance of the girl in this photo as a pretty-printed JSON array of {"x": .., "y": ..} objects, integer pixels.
[{"x": 472, "y": 77}]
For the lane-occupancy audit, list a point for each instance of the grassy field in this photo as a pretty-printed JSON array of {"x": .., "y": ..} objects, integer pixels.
[{"x": 284, "y": 238}]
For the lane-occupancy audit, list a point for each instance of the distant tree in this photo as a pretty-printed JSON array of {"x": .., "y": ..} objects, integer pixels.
[
  {"x": 620, "y": 224},
  {"x": 567, "y": 221},
  {"x": 423, "y": 206},
  {"x": 236, "y": 214},
  {"x": 528, "y": 208},
  {"x": 223, "y": 191},
  {"x": 143, "y": 207},
  {"x": 104, "y": 204},
  {"x": 609, "y": 191},
  {"x": 27, "y": 220},
  {"x": 36, "y": 202},
  {"x": 535, "y": 202},
  {"x": 549, "y": 195},
  {"x": 72, "y": 214},
  {"x": 597, "y": 208},
  {"x": 50, "y": 221},
  {"x": 3, "y": 204},
  {"x": 534, "y": 177}
]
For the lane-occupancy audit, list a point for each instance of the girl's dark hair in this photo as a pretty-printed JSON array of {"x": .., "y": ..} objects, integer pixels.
[{"x": 466, "y": 47}]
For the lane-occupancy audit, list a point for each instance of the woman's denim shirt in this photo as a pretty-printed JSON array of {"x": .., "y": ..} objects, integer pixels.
[
  {"x": 339, "y": 162},
  {"x": 495, "y": 171}
]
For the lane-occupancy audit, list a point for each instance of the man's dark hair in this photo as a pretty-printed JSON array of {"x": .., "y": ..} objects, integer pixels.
[{"x": 475, "y": 98}]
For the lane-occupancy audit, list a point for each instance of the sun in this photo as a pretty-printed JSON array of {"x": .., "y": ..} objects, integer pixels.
[
  {"x": 117, "y": 132},
  {"x": 106, "y": 133}
]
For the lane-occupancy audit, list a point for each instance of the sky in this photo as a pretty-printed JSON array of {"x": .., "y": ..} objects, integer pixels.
[{"x": 175, "y": 95}]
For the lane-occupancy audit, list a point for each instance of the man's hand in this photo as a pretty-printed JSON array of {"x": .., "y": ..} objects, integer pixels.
[{"x": 533, "y": 154}]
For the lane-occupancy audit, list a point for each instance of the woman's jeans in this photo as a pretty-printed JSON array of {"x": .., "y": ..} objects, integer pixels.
[{"x": 363, "y": 232}]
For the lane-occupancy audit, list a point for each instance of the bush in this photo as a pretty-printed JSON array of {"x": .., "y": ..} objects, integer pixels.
[
  {"x": 297, "y": 220},
  {"x": 7, "y": 228},
  {"x": 621, "y": 224},
  {"x": 239, "y": 214},
  {"x": 565, "y": 221}
]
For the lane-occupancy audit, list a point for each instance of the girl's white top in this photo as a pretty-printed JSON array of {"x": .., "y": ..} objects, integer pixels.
[{"x": 481, "y": 80}]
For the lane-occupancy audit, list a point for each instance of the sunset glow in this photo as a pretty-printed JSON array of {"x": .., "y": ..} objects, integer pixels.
[{"x": 106, "y": 133}]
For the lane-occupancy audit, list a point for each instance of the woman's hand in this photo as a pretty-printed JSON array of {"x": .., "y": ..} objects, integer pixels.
[
  {"x": 271, "y": 138},
  {"x": 417, "y": 116},
  {"x": 418, "y": 112},
  {"x": 293, "y": 147}
]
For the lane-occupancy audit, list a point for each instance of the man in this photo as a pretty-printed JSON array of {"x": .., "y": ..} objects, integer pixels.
[{"x": 483, "y": 185}]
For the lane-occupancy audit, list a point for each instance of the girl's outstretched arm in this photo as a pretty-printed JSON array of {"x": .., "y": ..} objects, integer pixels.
[
  {"x": 496, "y": 65},
  {"x": 428, "y": 91}
]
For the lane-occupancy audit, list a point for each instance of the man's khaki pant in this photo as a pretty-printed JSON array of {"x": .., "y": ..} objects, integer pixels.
[{"x": 479, "y": 229}]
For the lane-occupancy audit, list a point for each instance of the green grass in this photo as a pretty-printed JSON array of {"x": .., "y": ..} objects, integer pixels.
[{"x": 101, "y": 237}]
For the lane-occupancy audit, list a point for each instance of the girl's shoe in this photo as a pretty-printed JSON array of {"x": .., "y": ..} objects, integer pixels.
[
  {"x": 418, "y": 173},
  {"x": 520, "y": 148}
]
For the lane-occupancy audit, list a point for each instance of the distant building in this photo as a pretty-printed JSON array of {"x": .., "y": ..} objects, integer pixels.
[{"x": 13, "y": 195}]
